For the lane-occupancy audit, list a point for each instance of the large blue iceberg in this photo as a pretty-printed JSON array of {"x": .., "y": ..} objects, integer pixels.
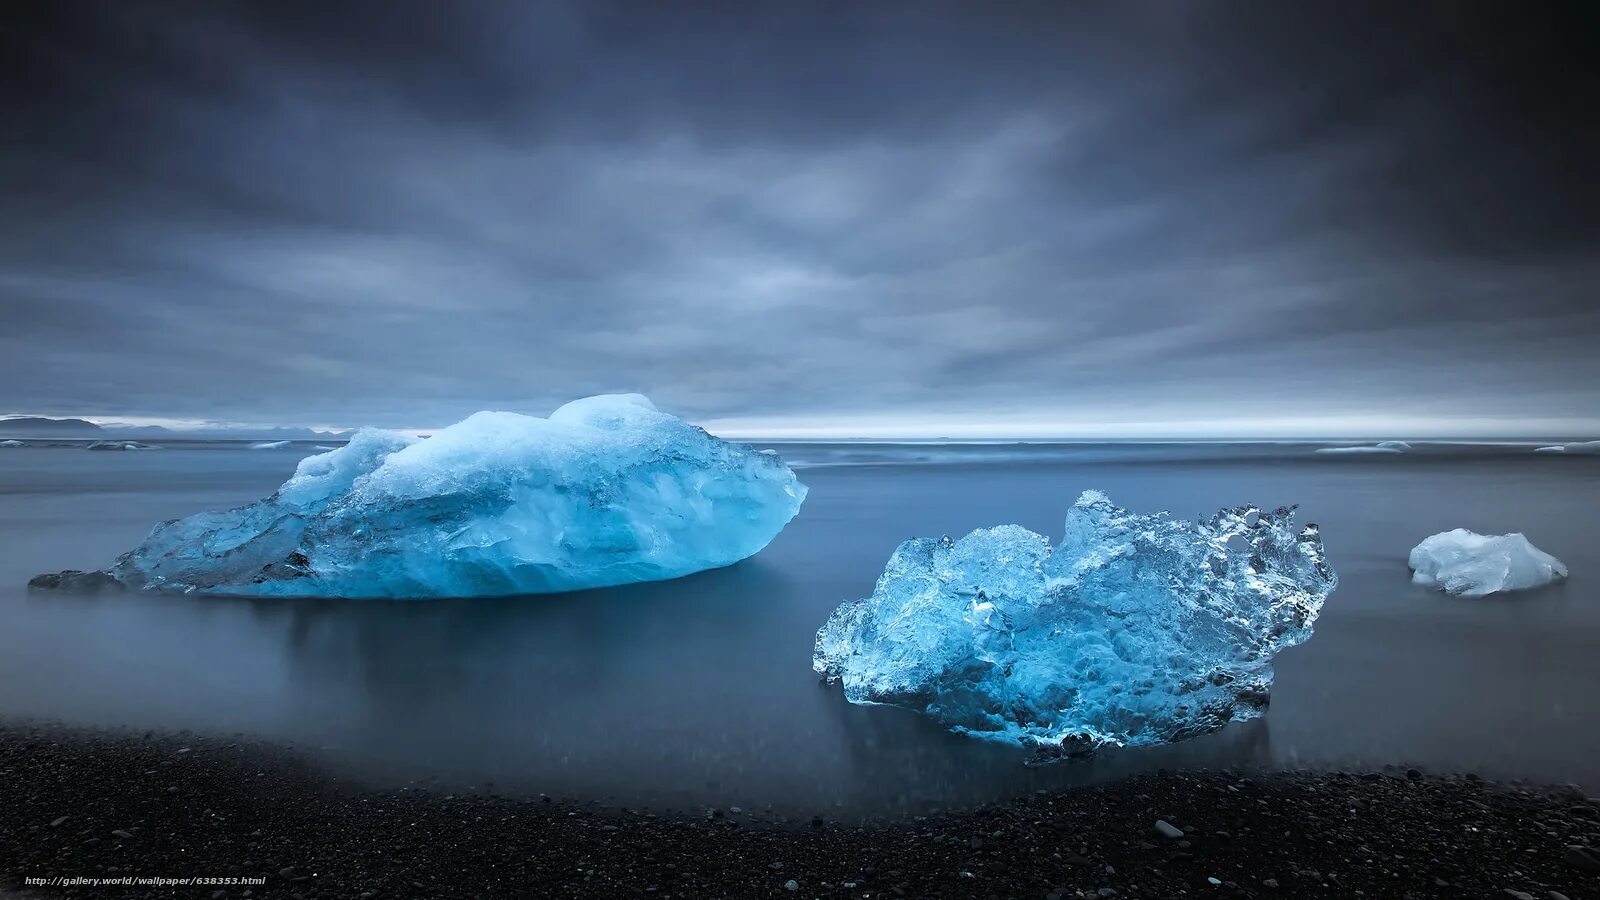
[
  {"x": 606, "y": 491},
  {"x": 1134, "y": 630}
]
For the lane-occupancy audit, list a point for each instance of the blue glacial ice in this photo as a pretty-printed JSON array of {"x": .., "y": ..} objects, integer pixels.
[
  {"x": 1134, "y": 630},
  {"x": 1468, "y": 564},
  {"x": 606, "y": 491}
]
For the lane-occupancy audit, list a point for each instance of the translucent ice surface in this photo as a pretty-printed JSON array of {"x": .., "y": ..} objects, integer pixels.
[
  {"x": 1134, "y": 630},
  {"x": 606, "y": 491},
  {"x": 1469, "y": 564}
]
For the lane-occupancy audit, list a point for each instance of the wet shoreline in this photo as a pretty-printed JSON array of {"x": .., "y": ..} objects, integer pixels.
[{"x": 111, "y": 804}]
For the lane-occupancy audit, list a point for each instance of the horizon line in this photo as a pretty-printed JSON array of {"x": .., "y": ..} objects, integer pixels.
[{"x": 859, "y": 428}]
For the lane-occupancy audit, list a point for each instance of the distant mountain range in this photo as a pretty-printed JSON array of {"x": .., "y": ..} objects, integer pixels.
[
  {"x": 41, "y": 427},
  {"x": 25, "y": 426}
]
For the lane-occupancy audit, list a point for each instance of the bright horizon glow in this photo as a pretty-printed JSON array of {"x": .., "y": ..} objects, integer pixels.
[
  {"x": 1045, "y": 428},
  {"x": 860, "y": 427},
  {"x": 116, "y": 420}
]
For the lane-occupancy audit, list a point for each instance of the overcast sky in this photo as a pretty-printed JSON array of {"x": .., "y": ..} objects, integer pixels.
[{"x": 863, "y": 218}]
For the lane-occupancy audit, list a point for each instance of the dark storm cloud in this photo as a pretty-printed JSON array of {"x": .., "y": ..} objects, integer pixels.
[{"x": 399, "y": 213}]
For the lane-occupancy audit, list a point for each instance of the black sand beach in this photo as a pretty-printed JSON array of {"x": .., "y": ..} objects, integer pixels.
[{"x": 82, "y": 804}]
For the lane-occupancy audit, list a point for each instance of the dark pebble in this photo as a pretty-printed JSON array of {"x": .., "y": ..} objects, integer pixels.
[{"x": 1583, "y": 858}]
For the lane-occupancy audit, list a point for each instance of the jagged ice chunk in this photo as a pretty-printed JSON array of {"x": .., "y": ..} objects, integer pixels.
[
  {"x": 1469, "y": 564},
  {"x": 1134, "y": 630},
  {"x": 606, "y": 491}
]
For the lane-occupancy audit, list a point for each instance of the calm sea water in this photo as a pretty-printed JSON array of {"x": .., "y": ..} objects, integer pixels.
[{"x": 700, "y": 691}]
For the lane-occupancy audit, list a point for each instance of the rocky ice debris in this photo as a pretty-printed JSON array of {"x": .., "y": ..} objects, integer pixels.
[
  {"x": 1134, "y": 630},
  {"x": 1469, "y": 564},
  {"x": 606, "y": 491}
]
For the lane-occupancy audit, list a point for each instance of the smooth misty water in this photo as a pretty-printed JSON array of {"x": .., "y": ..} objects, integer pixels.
[{"x": 700, "y": 691}]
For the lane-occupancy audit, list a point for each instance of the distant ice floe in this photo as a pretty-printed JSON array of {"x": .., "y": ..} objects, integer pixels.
[
  {"x": 120, "y": 445},
  {"x": 1380, "y": 447},
  {"x": 1579, "y": 448},
  {"x": 12, "y": 444},
  {"x": 270, "y": 445},
  {"x": 1468, "y": 564}
]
